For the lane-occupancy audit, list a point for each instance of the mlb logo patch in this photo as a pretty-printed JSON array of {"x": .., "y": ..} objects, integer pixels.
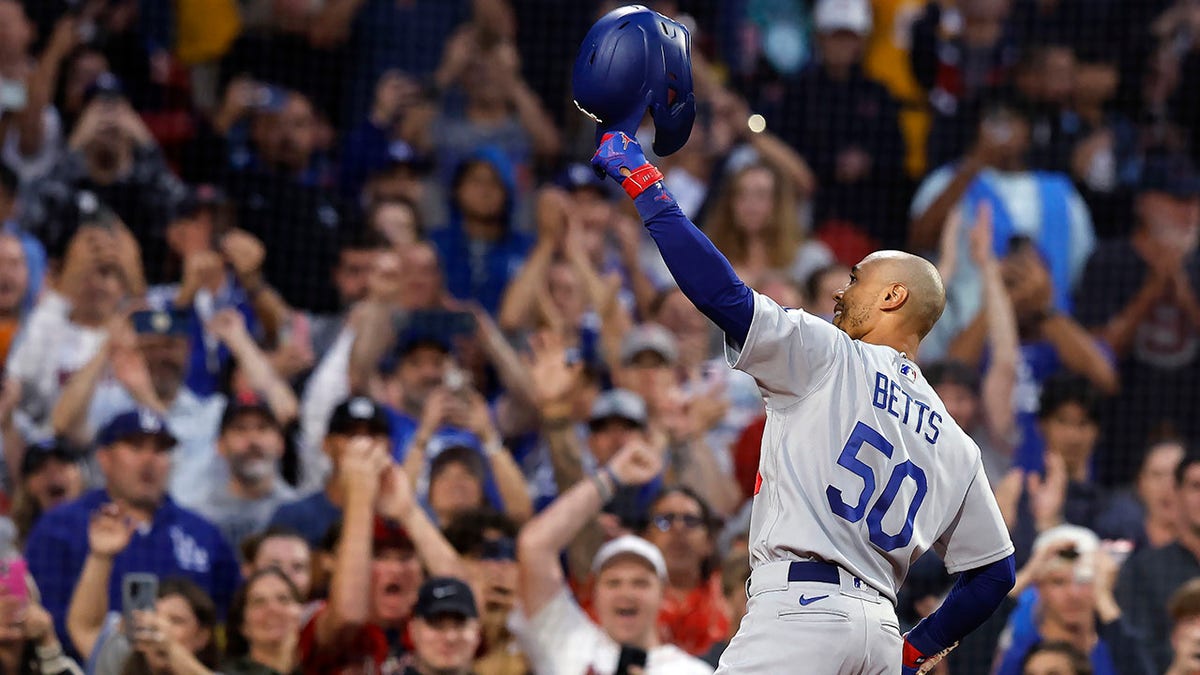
[{"x": 908, "y": 372}]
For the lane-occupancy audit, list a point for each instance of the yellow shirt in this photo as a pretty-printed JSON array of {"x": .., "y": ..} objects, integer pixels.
[
  {"x": 206, "y": 29},
  {"x": 887, "y": 60}
]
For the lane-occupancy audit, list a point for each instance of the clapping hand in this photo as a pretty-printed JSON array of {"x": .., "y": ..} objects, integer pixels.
[
  {"x": 637, "y": 463},
  {"x": 109, "y": 531}
]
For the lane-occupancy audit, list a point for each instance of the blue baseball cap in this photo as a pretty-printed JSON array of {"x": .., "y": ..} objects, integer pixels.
[
  {"x": 1173, "y": 174},
  {"x": 133, "y": 424}
]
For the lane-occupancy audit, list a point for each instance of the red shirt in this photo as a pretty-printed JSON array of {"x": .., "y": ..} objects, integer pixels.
[
  {"x": 368, "y": 651},
  {"x": 696, "y": 620}
]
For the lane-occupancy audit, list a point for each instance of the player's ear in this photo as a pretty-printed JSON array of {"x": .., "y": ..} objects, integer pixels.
[{"x": 894, "y": 297}]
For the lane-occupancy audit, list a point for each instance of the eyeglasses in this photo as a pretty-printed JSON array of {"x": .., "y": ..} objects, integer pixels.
[{"x": 665, "y": 521}]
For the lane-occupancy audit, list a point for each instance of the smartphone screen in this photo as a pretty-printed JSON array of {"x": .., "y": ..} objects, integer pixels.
[{"x": 12, "y": 578}]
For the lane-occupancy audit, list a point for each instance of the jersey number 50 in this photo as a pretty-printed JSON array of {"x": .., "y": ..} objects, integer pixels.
[{"x": 864, "y": 434}]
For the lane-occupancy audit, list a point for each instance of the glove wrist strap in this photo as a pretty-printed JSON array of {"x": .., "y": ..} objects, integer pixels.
[{"x": 641, "y": 178}]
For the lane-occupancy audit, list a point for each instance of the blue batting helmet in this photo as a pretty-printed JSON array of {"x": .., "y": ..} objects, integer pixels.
[{"x": 633, "y": 60}]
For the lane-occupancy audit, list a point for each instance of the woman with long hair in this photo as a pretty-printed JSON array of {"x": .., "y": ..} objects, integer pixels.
[
  {"x": 756, "y": 225},
  {"x": 176, "y": 638},
  {"x": 264, "y": 625}
]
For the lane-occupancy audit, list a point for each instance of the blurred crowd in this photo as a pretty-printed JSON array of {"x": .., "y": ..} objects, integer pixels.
[{"x": 325, "y": 351}]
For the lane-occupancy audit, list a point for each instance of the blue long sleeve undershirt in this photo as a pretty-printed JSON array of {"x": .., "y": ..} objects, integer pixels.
[
  {"x": 976, "y": 594},
  {"x": 702, "y": 272},
  {"x": 708, "y": 280}
]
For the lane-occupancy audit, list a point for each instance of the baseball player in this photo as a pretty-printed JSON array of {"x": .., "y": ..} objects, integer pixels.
[{"x": 862, "y": 469}]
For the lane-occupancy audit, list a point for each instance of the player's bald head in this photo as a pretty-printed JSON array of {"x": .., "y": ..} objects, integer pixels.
[{"x": 926, "y": 294}]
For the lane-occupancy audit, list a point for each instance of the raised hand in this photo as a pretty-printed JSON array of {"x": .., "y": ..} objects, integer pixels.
[
  {"x": 228, "y": 326},
  {"x": 554, "y": 376},
  {"x": 395, "y": 500},
  {"x": 109, "y": 531},
  {"x": 1047, "y": 495},
  {"x": 38, "y": 625},
  {"x": 244, "y": 253},
  {"x": 637, "y": 463},
  {"x": 363, "y": 462},
  {"x": 982, "y": 252}
]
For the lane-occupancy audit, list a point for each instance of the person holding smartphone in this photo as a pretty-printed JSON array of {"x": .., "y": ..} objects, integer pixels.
[{"x": 28, "y": 642}]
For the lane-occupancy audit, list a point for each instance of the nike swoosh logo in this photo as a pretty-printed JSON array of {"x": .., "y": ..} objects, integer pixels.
[{"x": 805, "y": 602}]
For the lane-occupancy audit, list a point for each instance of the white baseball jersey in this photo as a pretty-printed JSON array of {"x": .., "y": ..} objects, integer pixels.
[{"x": 861, "y": 464}]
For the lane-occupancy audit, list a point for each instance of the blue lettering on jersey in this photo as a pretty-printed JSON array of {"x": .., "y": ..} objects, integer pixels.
[{"x": 887, "y": 396}]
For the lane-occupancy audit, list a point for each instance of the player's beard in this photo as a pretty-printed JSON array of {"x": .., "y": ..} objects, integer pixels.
[{"x": 852, "y": 320}]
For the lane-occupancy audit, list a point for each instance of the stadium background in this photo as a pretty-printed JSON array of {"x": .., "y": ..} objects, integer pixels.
[{"x": 320, "y": 127}]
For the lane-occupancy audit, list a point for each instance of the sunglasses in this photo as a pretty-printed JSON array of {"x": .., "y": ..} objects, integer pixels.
[
  {"x": 503, "y": 548},
  {"x": 666, "y": 521}
]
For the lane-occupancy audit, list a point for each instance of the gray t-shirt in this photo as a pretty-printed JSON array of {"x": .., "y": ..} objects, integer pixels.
[{"x": 238, "y": 518}]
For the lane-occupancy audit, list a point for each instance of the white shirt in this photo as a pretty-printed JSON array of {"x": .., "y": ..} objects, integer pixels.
[
  {"x": 48, "y": 351},
  {"x": 861, "y": 464},
  {"x": 562, "y": 640}
]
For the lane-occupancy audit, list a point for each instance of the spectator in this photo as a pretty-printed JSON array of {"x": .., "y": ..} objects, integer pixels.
[
  {"x": 14, "y": 290},
  {"x": 111, "y": 155},
  {"x": 1151, "y": 575},
  {"x": 1152, "y": 506},
  {"x": 958, "y": 385},
  {"x": 995, "y": 172},
  {"x": 68, "y": 327},
  {"x": 28, "y": 643},
  {"x": 1074, "y": 603},
  {"x": 264, "y": 625},
  {"x": 284, "y": 550},
  {"x": 312, "y": 516},
  {"x": 630, "y": 580},
  {"x": 481, "y": 247},
  {"x": 1184, "y": 608},
  {"x": 846, "y": 125},
  {"x": 444, "y": 629},
  {"x": 145, "y": 369},
  {"x": 52, "y": 474},
  {"x": 404, "y": 174},
  {"x": 368, "y": 144},
  {"x": 755, "y": 224},
  {"x": 34, "y": 132},
  {"x": 356, "y": 256},
  {"x": 396, "y": 220},
  {"x": 385, "y": 539},
  {"x": 1056, "y": 658},
  {"x": 959, "y": 52},
  {"x": 1151, "y": 320},
  {"x": 251, "y": 444},
  {"x": 280, "y": 183},
  {"x": 693, "y": 615},
  {"x": 819, "y": 288},
  {"x": 497, "y": 109},
  {"x": 486, "y": 542},
  {"x": 134, "y": 456},
  {"x": 177, "y": 637},
  {"x": 735, "y": 572}
]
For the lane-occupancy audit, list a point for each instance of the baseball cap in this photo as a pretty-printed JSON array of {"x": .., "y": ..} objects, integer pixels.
[
  {"x": 1173, "y": 174},
  {"x": 106, "y": 85},
  {"x": 618, "y": 404},
  {"x": 580, "y": 176},
  {"x": 401, "y": 154},
  {"x": 850, "y": 15},
  {"x": 389, "y": 535},
  {"x": 649, "y": 337},
  {"x": 440, "y": 596},
  {"x": 176, "y": 322},
  {"x": 357, "y": 412},
  {"x": 634, "y": 545},
  {"x": 199, "y": 198},
  {"x": 133, "y": 424},
  {"x": 1084, "y": 540},
  {"x": 37, "y": 454},
  {"x": 246, "y": 406}
]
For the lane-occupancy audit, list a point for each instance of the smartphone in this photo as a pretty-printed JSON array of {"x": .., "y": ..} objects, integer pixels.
[
  {"x": 13, "y": 95},
  {"x": 630, "y": 656},
  {"x": 12, "y": 578},
  {"x": 456, "y": 380},
  {"x": 139, "y": 593},
  {"x": 149, "y": 322}
]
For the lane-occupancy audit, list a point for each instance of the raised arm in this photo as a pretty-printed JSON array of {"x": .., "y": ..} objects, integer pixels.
[
  {"x": 108, "y": 534},
  {"x": 703, "y": 274},
  {"x": 230, "y": 327},
  {"x": 549, "y": 532},
  {"x": 396, "y": 503}
]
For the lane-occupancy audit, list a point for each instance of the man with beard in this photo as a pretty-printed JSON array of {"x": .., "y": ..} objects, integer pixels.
[
  {"x": 251, "y": 445},
  {"x": 112, "y": 155},
  {"x": 143, "y": 365},
  {"x": 134, "y": 453}
]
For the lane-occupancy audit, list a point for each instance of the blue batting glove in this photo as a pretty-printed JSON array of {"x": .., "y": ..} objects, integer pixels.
[{"x": 620, "y": 157}]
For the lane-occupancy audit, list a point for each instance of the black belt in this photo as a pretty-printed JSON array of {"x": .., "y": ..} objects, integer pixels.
[{"x": 814, "y": 570}]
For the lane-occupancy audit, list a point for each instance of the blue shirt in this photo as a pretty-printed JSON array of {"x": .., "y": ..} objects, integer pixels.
[
  {"x": 1025, "y": 636},
  {"x": 480, "y": 271},
  {"x": 311, "y": 516},
  {"x": 177, "y": 543}
]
